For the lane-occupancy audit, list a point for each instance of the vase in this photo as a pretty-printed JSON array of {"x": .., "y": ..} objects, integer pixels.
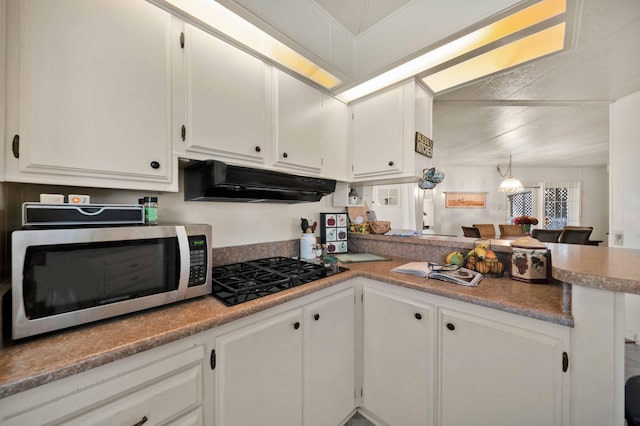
[{"x": 526, "y": 229}]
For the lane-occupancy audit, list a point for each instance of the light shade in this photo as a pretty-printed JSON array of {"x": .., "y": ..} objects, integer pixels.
[{"x": 511, "y": 184}]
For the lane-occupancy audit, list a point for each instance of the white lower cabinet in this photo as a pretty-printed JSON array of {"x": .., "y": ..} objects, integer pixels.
[
  {"x": 275, "y": 369},
  {"x": 259, "y": 373},
  {"x": 159, "y": 387},
  {"x": 495, "y": 374},
  {"x": 329, "y": 359},
  {"x": 397, "y": 358},
  {"x": 432, "y": 360}
]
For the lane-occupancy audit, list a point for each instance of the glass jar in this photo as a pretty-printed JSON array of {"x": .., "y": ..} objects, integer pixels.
[{"x": 150, "y": 210}]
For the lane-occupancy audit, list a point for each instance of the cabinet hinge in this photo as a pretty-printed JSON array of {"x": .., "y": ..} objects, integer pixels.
[
  {"x": 362, "y": 297},
  {"x": 15, "y": 146},
  {"x": 183, "y": 133},
  {"x": 353, "y": 116},
  {"x": 361, "y": 393},
  {"x": 182, "y": 40},
  {"x": 212, "y": 359},
  {"x": 565, "y": 362}
]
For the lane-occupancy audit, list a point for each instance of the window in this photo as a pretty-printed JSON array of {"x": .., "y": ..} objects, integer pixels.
[
  {"x": 388, "y": 197},
  {"x": 519, "y": 204},
  {"x": 561, "y": 205}
]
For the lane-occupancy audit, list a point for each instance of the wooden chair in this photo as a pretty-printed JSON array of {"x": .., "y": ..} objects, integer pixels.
[
  {"x": 510, "y": 230},
  {"x": 575, "y": 234},
  {"x": 487, "y": 230},
  {"x": 546, "y": 235},
  {"x": 471, "y": 231}
]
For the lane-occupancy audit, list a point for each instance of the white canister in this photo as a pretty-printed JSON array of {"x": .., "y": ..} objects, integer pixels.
[{"x": 308, "y": 246}]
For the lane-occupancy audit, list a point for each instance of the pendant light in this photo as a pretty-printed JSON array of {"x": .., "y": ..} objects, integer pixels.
[{"x": 510, "y": 184}]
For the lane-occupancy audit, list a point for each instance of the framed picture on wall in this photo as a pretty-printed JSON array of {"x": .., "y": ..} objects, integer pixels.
[{"x": 465, "y": 200}]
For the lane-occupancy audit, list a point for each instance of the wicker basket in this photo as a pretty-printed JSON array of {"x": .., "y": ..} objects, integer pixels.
[{"x": 379, "y": 227}]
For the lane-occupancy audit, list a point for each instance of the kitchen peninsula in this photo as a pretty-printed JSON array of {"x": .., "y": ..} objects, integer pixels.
[{"x": 583, "y": 311}]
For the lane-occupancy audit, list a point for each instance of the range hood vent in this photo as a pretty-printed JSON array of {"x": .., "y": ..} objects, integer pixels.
[{"x": 213, "y": 180}]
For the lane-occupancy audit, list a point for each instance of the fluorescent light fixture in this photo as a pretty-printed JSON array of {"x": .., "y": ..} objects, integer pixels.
[
  {"x": 223, "y": 20},
  {"x": 523, "y": 50},
  {"x": 504, "y": 27}
]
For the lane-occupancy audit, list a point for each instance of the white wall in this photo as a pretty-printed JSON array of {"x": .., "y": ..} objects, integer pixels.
[
  {"x": 233, "y": 223},
  {"x": 624, "y": 152},
  {"x": 595, "y": 195}
]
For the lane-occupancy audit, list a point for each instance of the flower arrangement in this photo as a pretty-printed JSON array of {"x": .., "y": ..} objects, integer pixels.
[{"x": 525, "y": 220}]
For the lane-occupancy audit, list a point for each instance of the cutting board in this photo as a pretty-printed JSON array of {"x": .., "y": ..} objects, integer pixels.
[{"x": 359, "y": 257}]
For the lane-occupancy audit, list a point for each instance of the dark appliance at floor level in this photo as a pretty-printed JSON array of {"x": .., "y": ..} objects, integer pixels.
[{"x": 241, "y": 282}]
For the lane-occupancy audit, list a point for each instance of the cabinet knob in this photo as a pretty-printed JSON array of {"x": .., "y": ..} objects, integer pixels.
[
  {"x": 155, "y": 165},
  {"x": 285, "y": 155},
  {"x": 258, "y": 149},
  {"x": 418, "y": 316},
  {"x": 142, "y": 421},
  {"x": 390, "y": 163},
  {"x": 450, "y": 326},
  {"x": 296, "y": 325},
  {"x": 316, "y": 317}
]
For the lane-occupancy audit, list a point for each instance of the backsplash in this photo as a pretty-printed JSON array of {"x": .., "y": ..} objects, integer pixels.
[{"x": 240, "y": 230}]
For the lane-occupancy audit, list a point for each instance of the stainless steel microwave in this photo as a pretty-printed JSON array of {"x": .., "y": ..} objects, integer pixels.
[{"x": 66, "y": 277}]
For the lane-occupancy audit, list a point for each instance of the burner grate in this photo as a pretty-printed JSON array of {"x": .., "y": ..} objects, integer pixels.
[{"x": 241, "y": 282}]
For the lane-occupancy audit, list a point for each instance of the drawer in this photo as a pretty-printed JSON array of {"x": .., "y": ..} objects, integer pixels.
[
  {"x": 162, "y": 391},
  {"x": 158, "y": 403}
]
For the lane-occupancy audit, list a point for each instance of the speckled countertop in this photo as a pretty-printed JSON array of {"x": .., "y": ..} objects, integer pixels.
[
  {"x": 39, "y": 360},
  {"x": 36, "y": 361}
]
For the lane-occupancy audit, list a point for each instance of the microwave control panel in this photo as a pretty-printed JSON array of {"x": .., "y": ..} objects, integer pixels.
[{"x": 198, "y": 260}]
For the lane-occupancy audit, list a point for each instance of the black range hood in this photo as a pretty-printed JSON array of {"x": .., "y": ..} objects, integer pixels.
[{"x": 213, "y": 180}]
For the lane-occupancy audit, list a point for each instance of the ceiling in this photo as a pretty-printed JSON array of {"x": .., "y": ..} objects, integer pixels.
[
  {"x": 359, "y": 15},
  {"x": 552, "y": 112}
]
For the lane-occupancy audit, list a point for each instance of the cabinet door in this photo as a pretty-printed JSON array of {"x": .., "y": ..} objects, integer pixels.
[
  {"x": 398, "y": 358},
  {"x": 493, "y": 374},
  {"x": 259, "y": 373},
  {"x": 298, "y": 124},
  {"x": 95, "y": 92},
  {"x": 335, "y": 139},
  {"x": 226, "y": 102},
  {"x": 329, "y": 359},
  {"x": 378, "y": 134}
]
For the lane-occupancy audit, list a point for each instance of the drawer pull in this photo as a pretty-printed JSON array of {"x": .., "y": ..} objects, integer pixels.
[
  {"x": 418, "y": 316},
  {"x": 316, "y": 317},
  {"x": 296, "y": 325},
  {"x": 450, "y": 326},
  {"x": 142, "y": 421}
]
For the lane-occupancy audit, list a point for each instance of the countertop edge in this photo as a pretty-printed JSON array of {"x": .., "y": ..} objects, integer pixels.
[{"x": 103, "y": 357}]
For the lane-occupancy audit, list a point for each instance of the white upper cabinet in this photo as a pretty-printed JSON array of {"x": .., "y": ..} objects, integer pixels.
[
  {"x": 335, "y": 138},
  {"x": 222, "y": 98},
  {"x": 298, "y": 124},
  {"x": 91, "y": 82},
  {"x": 383, "y": 134}
]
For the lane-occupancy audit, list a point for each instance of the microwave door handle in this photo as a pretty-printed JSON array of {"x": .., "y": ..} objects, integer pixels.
[{"x": 185, "y": 261}]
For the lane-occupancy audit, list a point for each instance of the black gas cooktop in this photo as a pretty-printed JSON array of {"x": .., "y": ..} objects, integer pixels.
[{"x": 241, "y": 282}]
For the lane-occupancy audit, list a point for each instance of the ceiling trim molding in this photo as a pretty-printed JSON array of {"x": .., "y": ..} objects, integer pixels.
[{"x": 520, "y": 102}]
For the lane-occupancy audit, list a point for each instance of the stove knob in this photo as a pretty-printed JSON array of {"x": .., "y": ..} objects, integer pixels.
[{"x": 296, "y": 325}]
